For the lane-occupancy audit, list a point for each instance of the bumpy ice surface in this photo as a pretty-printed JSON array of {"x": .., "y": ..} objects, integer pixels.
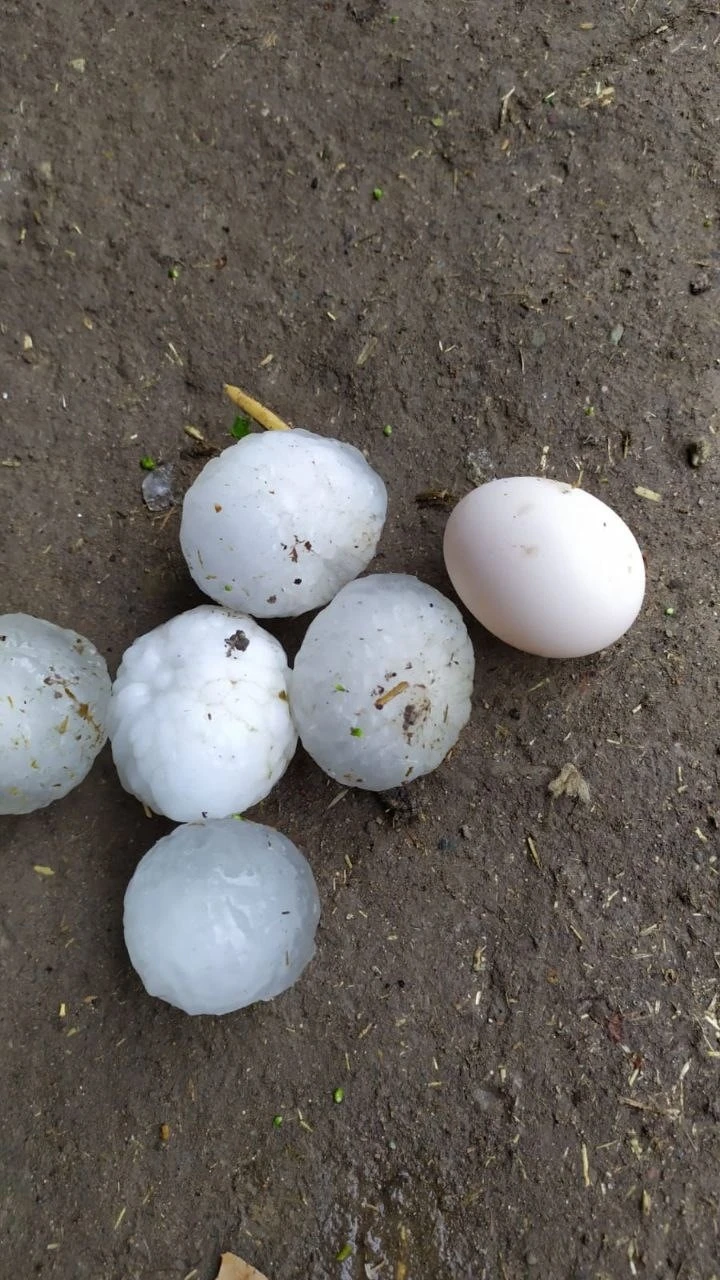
[
  {"x": 54, "y": 695},
  {"x": 382, "y": 684},
  {"x": 199, "y": 718},
  {"x": 221, "y": 914},
  {"x": 280, "y": 521}
]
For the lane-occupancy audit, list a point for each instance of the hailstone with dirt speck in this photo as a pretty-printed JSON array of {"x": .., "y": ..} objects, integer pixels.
[
  {"x": 382, "y": 683},
  {"x": 279, "y": 522},
  {"x": 199, "y": 719},
  {"x": 54, "y": 696},
  {"x": 221, "y": 914}
]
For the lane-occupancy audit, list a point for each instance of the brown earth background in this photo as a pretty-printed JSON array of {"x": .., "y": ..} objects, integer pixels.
[{"x": 527, "y": 1031}]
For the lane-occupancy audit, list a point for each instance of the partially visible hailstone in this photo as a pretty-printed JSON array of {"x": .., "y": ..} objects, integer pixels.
[
  {"x": 382, "y": 684},
  {"x": 199, "y": 719},
  {"x": 54, "y": 696},
  {"x": 279, "y": 522},
  {"x": 221, "y": 914}
]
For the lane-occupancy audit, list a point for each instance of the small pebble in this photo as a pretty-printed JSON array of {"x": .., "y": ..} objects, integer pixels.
[
  {"x": 700, "y": 284},
  {"x": 698, "y": 452}
]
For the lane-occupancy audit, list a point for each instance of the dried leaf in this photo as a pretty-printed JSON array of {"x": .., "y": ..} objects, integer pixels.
[
  {"x": 570, "y": 782},
  {"x": 614, "y": 1027},
  {"x": 233, "y": 1268},
  {"x": 435, "y": 498}
]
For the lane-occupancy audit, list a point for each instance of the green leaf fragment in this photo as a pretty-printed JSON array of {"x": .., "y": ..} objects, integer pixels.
[
  {"x": 241, "y": 427},
  {"x": 343, "y": 1254},
  {"x": 147, "y": 463},
  {"x": 356, "y": 732}
]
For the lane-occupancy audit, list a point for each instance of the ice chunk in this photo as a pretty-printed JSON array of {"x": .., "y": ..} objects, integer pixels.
[
  {"x": 54, "y": 695},
  {"x": 382, "y": 683},
  {"x": 157, "y": 488},
  {"x": 280, "y": 521},
  {"x": 221, "y": 914},
  {"x": 199, "y": 719}
]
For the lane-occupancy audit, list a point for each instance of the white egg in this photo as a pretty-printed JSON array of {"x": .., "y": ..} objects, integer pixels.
[
  {"x": 279, "y": 522},
  {"x": 545, "y": 566},
  {"x": 54, "y": 696},
  {"x": 382, "y": 683},
  {"x": 221, "y": 914}
]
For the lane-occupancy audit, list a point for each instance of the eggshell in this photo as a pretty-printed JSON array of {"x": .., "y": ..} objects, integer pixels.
[{"x": 545, "y": 566}]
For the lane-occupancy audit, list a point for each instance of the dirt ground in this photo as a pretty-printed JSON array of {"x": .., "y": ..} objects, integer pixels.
[{"x": 495, "y": 227}]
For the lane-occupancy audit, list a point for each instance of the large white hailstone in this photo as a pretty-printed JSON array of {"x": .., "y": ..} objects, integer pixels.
[
  {"x": 199, "y": 719},
  {"x": 280, "y": 521},
  {"x": 221, "y": 914},
  {"x": 54, "y": 695},
  {"x": 382, "y": 684}
]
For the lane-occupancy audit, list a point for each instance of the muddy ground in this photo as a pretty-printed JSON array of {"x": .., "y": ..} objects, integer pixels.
[{"x": 519, "y": 995}]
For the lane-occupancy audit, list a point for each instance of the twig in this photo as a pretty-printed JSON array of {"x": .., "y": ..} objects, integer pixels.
[
  {"x": 504, "y": 104},
  {"x": 265, "y": 417}
]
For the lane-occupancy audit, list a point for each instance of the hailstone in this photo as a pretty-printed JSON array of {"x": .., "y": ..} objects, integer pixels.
[
  {"x": 221, "y": 914},
  {"x": 199, "y": 719},
  {"x": 54, "y": 695},
  {"x": 382, "y": 683},
  {"x": 280, "y": 521}
]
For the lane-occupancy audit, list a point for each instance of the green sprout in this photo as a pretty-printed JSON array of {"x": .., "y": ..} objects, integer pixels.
[
  {"x": 356, "y": 732},
  {"x": 240, "y": 428},
  {"x": 277, "y": 1121},
  {"x": 339, "y": 1095},
  {"x": 387, "y": 430},
  {"x": 147, "y": 463},
  {"x": 174, "y": 273},
  {"x": 378, "y": 193}
]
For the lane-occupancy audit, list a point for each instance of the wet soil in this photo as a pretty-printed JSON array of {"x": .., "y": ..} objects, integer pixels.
[{"x": 496, "y": 228}]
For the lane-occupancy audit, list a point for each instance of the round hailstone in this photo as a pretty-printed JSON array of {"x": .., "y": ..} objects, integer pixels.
[
  {"x": 382, "y": 684},
  {"x": 199, "y": 719},
  {"x": 280, "y": 521},
  {"x": 221, "y": 914},
  {"x": 54, "y": 695}
]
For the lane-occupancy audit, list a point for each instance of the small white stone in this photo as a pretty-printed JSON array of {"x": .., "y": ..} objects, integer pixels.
[
  {"x": 279, "y": 522},
  {"x": 54, "y": 696},
  {"x": 221, "y": 914},
  {"x": 199, "y": 720},
  {"x": 382, "y": 684}
]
